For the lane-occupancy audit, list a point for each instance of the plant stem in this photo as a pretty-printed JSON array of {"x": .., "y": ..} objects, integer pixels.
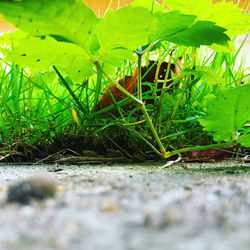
[
  {"x": 156, "y": 136},
  {"x": 198, "y": 148},
  {"x": 139, "y": 84},
  {"x": 138, "y": 100},
  {"x": 145, "y": 140},
  {"x": 115, "y": 83}
]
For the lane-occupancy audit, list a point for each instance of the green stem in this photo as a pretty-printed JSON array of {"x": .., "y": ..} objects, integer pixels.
[
  {"x": 199, "y": 148},
  {"x": 115, "y": 83},
  {"x": 156, "y": 136},
  {"x": 139, "y": 84},
  {"x": 145, "y": 140}
]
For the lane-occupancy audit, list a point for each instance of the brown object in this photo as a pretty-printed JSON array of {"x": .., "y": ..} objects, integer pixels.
[
  {"x": 130, "y": 84},
  {"x": 209, "y": 155}
]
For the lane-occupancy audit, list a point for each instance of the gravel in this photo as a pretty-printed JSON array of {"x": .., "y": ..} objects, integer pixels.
[{"x": 135, "y": 207}]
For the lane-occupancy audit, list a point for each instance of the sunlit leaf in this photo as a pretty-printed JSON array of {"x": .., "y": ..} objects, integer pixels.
[
  {"x": 66, "y": 56},
  {"x": 200, "y": 33},
  {"x": 207, "y": 74},
  {"x": 70, "y": 19},
  {"x": 113, "y": 58},
  {"x": 223, "y": 48},
  {"x": 191, "y": 7},
  {"x": 227, "y": 113},
  {"x": 171, "y": 23},
  {"x": 228, "y": 16},
  {"x": 225, "y": 14},
  {"x": 128, "y": 27}
]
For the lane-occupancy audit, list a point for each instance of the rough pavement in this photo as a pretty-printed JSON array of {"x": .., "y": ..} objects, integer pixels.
[{"x": 136, "y": 207}]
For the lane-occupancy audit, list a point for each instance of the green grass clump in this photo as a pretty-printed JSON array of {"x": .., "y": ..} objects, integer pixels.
[
  {"x": 56, "y": 71},
  {"x": 38, "y": 109}
]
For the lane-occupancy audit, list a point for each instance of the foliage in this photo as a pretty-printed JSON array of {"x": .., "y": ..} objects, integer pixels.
[
  {"x": 224, "y": 14},
  {"x": 131, "y": 27},
  {"x": 227, "y": 113},
  {"x": 64, "y": 36}
]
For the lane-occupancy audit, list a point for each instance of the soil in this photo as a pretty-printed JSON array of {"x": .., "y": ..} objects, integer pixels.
[
  {"x": 123, "y": 207},
  {"x": 116, "y": 147}
]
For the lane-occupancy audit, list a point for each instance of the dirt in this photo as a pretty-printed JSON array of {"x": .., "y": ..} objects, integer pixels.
[{"x": 127, "y": 207}]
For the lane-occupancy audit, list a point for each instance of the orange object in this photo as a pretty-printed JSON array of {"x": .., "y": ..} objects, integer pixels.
[
  {"x": 208, "y": 155},
  {"x": 112, "y": 93},
  {"x": 129, "y": 83}
]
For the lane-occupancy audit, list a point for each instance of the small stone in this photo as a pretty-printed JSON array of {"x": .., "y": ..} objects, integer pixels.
[
  {"x": 34, "y": 188},
  {"x": 188, "y": 188},
  {"x": 230, "y": 172}
]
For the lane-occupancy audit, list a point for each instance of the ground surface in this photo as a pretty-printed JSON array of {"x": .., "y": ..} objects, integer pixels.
[{"x": 131, "y": 208}]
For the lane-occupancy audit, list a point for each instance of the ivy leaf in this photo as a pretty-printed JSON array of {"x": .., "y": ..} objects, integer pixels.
[
  {"x": 200, "y": 33},
  {"x": 128, "y": 27},
  {"x": 72, "y": 59},
  {"x": 227, "y": 113},
  {"x": 171, "y": 23},
  {"x": 208, "y": 75},
  {"x": 70, "y": 19}
]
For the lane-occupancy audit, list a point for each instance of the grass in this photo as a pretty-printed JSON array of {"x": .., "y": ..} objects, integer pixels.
[{"x": 38, "y": 108}]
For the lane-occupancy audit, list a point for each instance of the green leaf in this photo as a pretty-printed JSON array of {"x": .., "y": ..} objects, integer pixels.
[
  {"x": 200, "y": 33},
  {"x": 128, "y": 27},
  {"x": 223, "y": 48},
  {"x": 113, "y": 58},
  {"x": 208, "y": 75},
  {"x": 227, "y": 113},
  {"x": 116, "y": 56},
  {"x": 68, "y": 57},
  {"x": 171, "y": 23},
  {"x": 70, "y": 19},
  {"x": 225, "y": 14},
  {"x": 228, "y": 16},
  {"x": 192, "y": 7}
]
